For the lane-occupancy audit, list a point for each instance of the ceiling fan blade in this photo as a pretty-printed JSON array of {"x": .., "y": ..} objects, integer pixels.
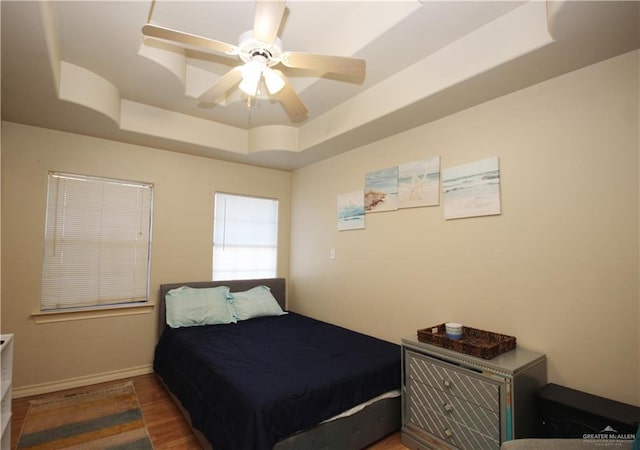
[
  {"x": 157, "y": 31},
  {"x": 266, "y": 22},
  {"x": 353, "y": 67},
  {"x": 290, "y": 100},
  {"x": 228, "y": 80}
]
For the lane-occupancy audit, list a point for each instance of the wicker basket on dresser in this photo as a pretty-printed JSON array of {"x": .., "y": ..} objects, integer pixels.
[{"x": 453, "y": 400}]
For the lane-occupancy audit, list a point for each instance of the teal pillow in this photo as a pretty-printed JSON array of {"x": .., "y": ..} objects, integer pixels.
[
  {"x": 256, "y": 302},
  {"x": 187, "y": 307}
]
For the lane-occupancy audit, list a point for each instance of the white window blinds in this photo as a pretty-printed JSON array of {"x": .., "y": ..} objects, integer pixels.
[
  {"x": 97, "y": 242},
  {"x": 245, "y": 242}
]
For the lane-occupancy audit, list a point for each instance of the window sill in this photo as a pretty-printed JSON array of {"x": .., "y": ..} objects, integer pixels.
[{"x": 92, "y": 313}]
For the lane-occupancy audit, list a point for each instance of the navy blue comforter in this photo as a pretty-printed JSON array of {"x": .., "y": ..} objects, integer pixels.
[{"x": 250, "y": 384}]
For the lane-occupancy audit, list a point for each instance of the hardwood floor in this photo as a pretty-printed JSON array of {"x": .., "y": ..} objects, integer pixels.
[{"x": 167, "y": 426}]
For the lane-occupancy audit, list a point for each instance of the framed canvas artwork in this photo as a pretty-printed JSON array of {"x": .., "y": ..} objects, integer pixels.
[{"x": 472, "y": 190}]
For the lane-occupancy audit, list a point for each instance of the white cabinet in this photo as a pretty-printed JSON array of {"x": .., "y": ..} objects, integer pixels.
[
  {"x": 6, "y": 378},
  {"x": 453, "y": 400}
]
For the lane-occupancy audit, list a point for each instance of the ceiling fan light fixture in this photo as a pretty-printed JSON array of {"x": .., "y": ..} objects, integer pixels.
[
  {"x": 273, "y": 81},
  {"x": 251, "y": 74},
  {"x": 248, "y": 87}
]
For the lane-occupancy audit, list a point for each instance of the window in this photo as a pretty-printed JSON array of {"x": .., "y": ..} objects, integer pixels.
[
  {"x": 97, "y": 242},
  {"x": 245, "y": 241}
]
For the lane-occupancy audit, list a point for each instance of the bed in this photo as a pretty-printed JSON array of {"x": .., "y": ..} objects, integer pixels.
[{"x": 272, "y": 378}]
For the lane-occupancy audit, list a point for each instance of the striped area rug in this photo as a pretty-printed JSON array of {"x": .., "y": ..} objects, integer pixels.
[{"x": 108, "y": 418}]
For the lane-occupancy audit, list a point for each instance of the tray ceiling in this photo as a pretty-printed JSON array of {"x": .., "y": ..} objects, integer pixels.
[{"x": 83, "y": 67}]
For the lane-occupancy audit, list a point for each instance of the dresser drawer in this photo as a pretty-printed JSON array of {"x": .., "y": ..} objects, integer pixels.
[
  {"x": 453, "y": 381},
  {"x": 460, "y": 411},
  {"x": 421, "y": 420}
]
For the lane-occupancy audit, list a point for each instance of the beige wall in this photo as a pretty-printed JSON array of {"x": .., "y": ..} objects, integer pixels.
[
  {"x": 558, "y": 269},
  {"x": 47, "y": 354}
]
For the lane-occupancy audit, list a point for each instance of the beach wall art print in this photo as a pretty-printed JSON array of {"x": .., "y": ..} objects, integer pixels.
[
  {"x": 351, "y": 211},
  {"x": 472, "y": 190},
  {"x": 381, "y": 190},
  {"x": 468, "y": 190},
  {"x": 419, "y": 183}
]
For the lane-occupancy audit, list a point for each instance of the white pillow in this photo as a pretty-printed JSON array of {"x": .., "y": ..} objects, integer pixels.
[{"x": 186, "y": 306}]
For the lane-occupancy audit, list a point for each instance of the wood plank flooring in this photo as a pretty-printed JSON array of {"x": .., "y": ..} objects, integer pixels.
[{"x": 167, "y": 426}]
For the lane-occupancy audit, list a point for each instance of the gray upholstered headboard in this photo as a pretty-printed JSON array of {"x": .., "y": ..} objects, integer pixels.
[{"x": 277, "y": 286}]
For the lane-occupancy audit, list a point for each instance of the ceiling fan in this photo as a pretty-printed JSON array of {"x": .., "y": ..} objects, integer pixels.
[{"x": 260, "y": 50}]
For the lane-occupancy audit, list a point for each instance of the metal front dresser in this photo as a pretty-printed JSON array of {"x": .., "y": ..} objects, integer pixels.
[{"x": 454, "y": 400}]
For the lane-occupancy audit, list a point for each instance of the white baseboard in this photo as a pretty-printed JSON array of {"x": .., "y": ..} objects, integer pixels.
[{"x": 45, "y": 388}]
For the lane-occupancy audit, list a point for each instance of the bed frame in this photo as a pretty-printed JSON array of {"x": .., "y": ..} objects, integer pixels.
[{"x": 353, "y": 432}]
